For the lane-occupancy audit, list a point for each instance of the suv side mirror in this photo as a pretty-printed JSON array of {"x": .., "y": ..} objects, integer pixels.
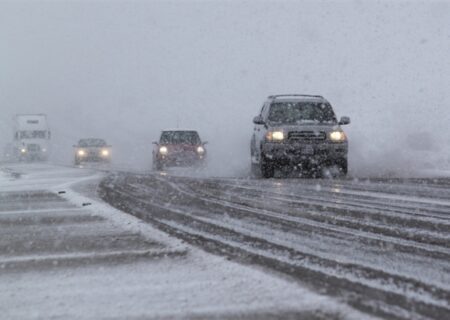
[
  {"x": 204, "y": 142},
  {"x": 344, "y": 120},
  {"x": 155, "y": 142},
  {"x": 258, "y": 120}
]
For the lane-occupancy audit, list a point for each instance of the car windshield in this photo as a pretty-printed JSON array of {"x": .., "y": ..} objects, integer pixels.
[
  {"x": 92, "y": 143},
  {"x": 301, "y": 112},
  {"x": 180, "y": 137}
]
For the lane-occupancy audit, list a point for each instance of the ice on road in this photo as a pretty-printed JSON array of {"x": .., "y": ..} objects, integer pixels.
[{"x": 69, "y": 255}]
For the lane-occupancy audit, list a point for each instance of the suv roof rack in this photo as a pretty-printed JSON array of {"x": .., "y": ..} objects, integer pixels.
[{"x": 293, "y": 95}]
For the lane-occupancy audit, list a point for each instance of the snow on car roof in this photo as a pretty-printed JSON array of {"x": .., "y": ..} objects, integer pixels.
[
  {"x": 92, "y": 142},
  {"x": 179, "y": 130},
  {"x": 298, "y": 98}
]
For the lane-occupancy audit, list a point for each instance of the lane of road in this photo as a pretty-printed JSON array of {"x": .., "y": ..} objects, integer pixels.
[
  {"x": 382, "y": 247},
  {"x": 66, "y": 254}
]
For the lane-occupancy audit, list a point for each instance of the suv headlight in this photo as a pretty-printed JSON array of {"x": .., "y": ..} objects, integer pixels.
[
  {"x": 105, "y": 152},
  {"x": 337, "y": 136},
  {"x": 81, "y": 152},
  {"x": 275, "y": 136},
  {"x": 200, "y": 150},
  {"x": 163, "y": 150}
]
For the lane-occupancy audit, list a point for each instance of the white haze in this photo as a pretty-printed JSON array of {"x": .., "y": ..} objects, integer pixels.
[{"x": 125, "y": 70}]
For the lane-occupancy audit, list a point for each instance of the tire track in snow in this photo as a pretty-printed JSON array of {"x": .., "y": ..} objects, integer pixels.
[{"x": 156, "y": 200}]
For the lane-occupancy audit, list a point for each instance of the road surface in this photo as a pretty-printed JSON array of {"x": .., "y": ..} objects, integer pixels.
[
  {"x": 380, "y": 245},
  {"x": 65, "y": 254}
]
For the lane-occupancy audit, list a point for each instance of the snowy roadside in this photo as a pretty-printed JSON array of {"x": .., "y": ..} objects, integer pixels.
[
  {"x": 2, "y": 177},
  {"x": 192, "y": 285},
  {"x": 5, "y": 174}
]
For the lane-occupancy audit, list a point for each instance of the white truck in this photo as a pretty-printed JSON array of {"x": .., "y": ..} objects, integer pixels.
[{"x": 31, "y": 137}]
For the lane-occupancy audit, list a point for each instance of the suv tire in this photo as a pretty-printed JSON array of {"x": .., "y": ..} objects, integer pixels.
[
  {"x": 343, "y": 166},
  {"x": 267, "y": 168},
  {"x": 255, "y": 170},
  {"x": 158, "y": 165}
]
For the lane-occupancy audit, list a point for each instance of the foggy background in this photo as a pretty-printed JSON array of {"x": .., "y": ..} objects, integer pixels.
[{"x": 125, "y": 70}]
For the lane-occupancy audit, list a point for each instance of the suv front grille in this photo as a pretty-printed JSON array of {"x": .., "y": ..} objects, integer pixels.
[{"x": 307, "y": 136}]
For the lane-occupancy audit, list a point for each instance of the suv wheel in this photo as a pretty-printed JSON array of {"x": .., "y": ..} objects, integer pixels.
[
  {"x": 267, "y": 168},
  {"x": 158, "y": 165},
  {"x": 342, "y": 165},
  {"x": 255, "y": 170}
]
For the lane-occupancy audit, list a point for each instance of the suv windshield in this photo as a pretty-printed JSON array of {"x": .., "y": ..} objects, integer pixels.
[
  {"x": 180, "y": 137},
  {"x": 92, "y": 143},
  {"x": 300, "y": 112}
]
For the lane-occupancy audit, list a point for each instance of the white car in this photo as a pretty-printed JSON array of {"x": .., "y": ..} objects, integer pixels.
[{"x": 92, "y": 150}]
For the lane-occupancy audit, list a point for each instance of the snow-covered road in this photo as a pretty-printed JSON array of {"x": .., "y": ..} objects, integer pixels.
[
  {"x": 64, "y": 254},
  {"x": 381, "y": 245}
]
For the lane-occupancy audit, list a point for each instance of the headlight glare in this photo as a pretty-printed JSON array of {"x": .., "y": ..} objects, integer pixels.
[
  {"x": 81, "y": 152},
  {"x": 163, "y": 150},
  {"x": 23, "y": 150},
  {"x": 105, "y": 152},
  {"x": 200, "y": 150},
  {"x": 337, "y": 136},
  {"x": 275, "y": 136}
]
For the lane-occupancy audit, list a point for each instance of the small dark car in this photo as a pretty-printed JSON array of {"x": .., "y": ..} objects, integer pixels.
[
  {"x": 298, "y": 131},
  {"x": 178, "y": 148},
  {"x": 92, "y": 150}
]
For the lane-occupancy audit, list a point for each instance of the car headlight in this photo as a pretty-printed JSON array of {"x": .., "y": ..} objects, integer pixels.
[
  {"x": 81, "y": 153},
  {"x": 23, "y": 150},
  {"x": 105, "y": 152},
  {"x": 200, "y": 150},
  {"x": 275, "y": 135},
  {"x": 163, "y": 150},
  {"x": 337, "y": 136}
]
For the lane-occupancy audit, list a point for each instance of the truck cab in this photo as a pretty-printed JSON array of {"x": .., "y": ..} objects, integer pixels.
[{"x": 31, "y": 137}]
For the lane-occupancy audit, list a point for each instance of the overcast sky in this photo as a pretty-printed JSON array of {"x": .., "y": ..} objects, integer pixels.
[{"x": 125, "y": 70}]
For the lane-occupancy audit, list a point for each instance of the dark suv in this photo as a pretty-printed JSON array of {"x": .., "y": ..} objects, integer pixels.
[{"x": 298, "y": 131}]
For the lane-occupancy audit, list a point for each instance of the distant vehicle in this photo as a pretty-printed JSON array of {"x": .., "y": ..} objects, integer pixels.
[
  {"x": 178, "y": 148},
  {"x": 31, "y": 137},
  {"x": 92, "y": 150},
  {"x": 298, "y": 131}
]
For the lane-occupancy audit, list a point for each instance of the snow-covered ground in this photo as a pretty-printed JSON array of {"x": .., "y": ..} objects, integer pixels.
[
  {"x": 374, "y": 239},
  {"x": 63, "y": 260}
]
